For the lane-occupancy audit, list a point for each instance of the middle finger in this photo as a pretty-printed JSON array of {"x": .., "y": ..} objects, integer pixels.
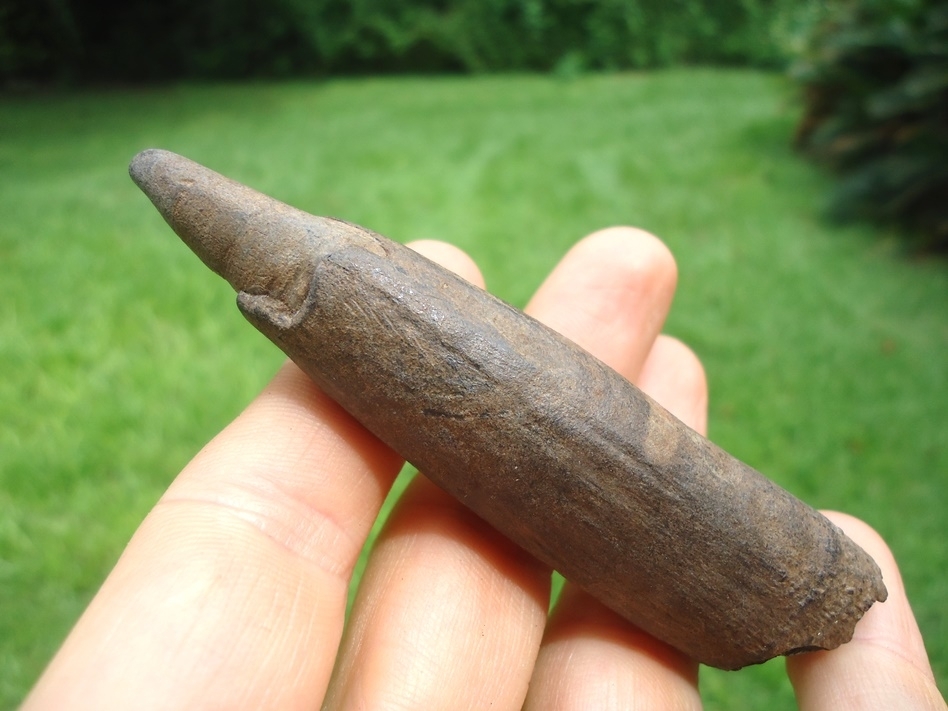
[{"x": 443, "y": 604}]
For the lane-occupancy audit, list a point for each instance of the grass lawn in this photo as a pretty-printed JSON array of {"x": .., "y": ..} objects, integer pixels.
[{"x": 121, "y": 354}]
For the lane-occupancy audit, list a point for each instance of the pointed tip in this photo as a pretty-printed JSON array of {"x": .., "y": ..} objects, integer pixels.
[
  {"x": 161, "y": 175},
  {"x": 144, "y": 165},
  {"x": 140, "y": 167},
  {"x": 258, "y": 244},
  {"x": 232, "y": 228},
  {"x": 149, "y": 171}
]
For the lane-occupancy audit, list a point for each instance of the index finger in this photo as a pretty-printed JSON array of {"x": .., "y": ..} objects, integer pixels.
[
  {"x": 233, "y": 590},
  {"x": 885, "y": 666}
]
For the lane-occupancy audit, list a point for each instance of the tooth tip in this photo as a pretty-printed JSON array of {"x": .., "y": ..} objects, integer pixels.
[
  {"x": 158, "y": 174},
  {"x": 143, "y": 164},
  {"x": 251, "y": 240},
  {"x": 174, "y": 184}
]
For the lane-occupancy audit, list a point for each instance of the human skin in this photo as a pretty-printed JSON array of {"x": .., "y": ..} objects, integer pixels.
[{"x": 232, "y": 593}]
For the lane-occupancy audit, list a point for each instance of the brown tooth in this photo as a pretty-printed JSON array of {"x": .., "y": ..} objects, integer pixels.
[{"x": 544, "y": 442}]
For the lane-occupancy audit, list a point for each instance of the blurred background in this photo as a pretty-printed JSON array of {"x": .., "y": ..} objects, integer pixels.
[{"x": 793, "y": 154}]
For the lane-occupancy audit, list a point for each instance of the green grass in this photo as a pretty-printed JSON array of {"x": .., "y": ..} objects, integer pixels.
[{"x": 121, "y": 355}]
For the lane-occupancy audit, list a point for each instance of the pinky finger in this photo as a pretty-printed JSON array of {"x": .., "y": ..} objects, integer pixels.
[{"x": 885, "y": 666}]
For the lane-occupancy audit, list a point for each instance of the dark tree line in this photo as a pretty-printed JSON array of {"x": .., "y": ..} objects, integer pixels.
[{"x": 77, "y": 41}]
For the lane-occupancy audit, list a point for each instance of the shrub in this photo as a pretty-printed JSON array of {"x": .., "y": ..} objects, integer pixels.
[{"x": 875, "y": 91}]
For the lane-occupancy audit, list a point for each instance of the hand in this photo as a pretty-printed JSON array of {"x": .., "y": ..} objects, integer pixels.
[{"x": 232, "y": 593}]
